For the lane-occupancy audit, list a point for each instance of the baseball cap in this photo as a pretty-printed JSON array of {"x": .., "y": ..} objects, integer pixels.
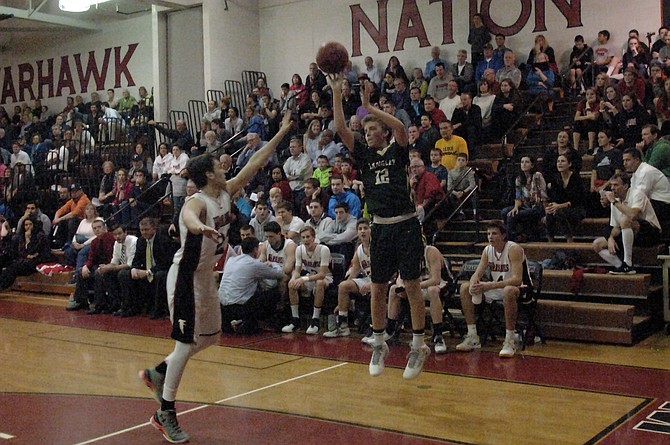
[
  {"x": 137, "y": 157},
  {"x": 74, "y": 187}
]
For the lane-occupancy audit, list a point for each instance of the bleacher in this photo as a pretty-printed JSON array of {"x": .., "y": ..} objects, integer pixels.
[{"x": 598, "y": 307}]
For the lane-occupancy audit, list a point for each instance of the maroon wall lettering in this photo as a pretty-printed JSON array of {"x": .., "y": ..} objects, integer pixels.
[
  {"x": 45, "y": 79},
  {"x": 410, "y": 26}
]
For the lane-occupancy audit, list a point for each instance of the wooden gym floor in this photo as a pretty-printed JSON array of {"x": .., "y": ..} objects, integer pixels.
[{"x": 70, "y": 378}]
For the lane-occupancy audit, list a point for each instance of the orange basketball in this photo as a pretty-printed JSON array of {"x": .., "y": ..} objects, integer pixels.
[{"x": 332, "y": 57}]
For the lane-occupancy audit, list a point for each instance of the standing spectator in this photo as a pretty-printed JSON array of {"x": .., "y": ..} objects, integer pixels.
[
  {"x": 297, "y": 168},
  {"x": 478, "y": 37},
  {"x": 463, "y": 72}
]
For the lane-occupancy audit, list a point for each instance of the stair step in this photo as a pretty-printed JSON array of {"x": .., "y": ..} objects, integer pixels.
[
  {"x": 598, "y": 285},
  {"x": 596, "y": 322},
  {"x": 38, "y": 283},
  {"x": 586, "y": 255}
]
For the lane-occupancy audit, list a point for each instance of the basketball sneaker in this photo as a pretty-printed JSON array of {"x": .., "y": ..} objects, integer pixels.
[
  {"x": 293, "y": 326},
  {"x": 313, "y": 328},
  {"x": 370, "y": 339},
  {"x": 440, "y": 347},
  {"x": 340, "y": 331},
  {"x": 469, "y": 343},
  {"x": 415, "y": 361},
  {"x": 508, "y": 350},
  {"x": 379, "y": 353},
  {"x": 166, "y": 423},
  {"x": 154, "y": 381}
]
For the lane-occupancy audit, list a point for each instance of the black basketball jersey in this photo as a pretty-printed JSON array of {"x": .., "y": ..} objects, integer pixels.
[{"x": 384, "y": 176}]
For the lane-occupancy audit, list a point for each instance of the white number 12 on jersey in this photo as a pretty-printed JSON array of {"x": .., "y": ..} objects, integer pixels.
[{"x": 382, "y": 176}]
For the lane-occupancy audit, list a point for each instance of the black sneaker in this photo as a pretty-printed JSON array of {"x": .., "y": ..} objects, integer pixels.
[{"x": 624, "y": 269}]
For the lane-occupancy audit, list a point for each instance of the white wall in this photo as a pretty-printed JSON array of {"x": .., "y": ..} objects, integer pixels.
[{"x": 122, "y": 34}]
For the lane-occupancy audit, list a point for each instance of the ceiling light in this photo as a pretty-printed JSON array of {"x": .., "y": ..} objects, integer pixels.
[{"x": 74, "y": 5}]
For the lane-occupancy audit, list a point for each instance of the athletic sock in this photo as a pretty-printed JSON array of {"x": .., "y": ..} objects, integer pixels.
[
  {"x": 627, "y": 237},
  {"x": 509, "y": 335},
  {"x": 295, "y": 311},
  {"x": 161, "y": 368},
  {"x": 316, "y": 313},
  {"x": 391, "y": 326},
  {"x": 611, "y": 259},
  {"x": 167, "y": 404},
  {"x": 378, "y": 337},
  {"x": 472, "y": 330},
  {"x": 417, "y": 338}
]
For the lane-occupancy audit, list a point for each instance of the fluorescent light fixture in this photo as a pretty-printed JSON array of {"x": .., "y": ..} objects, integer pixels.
[{"x": 74, "y": 5}]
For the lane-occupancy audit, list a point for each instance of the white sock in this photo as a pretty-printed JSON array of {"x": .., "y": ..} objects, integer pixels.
[
  {"x": 378, "y": 338},
  {"x": 472, "y": 330},
  {"x": 316, "y": 313},
  {"x": 343, "y": 313},
  {"x": 295, "y": 311},
  {"x": 611, "y": 259},
  {"x": 417, "y": 341},
  {"x": 627, "y": 237},
  {"x": 509, "y": 335}
]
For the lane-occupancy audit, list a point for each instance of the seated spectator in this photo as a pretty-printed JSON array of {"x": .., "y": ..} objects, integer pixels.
[
  {"x": 8, "y": 242},
  {"x": 549, "y": 170},
  {"x": 429, "y": 133},
  {"x": 461, "y": 184},
  {"x": 607, "y": 161},
  {"x": 462, "y": 71},
  {"x": 298, "y": 168},
  {"x": 291, "y": 225},
  {"x": 488, "y": 62},
  {"x": 507, "y": 263},
  {"x": 387, "y": 87},
  {"x": 340, "y": 194},
  {"x": 261, "y": 218},
  {"x": 524, "y": 218},
  {"x": 33, "y": 210},
  {"x": 426, "y": 188},
  {"x": 565, "y": 201},
  {"x": 140, "y": 116},
  {"x": 610, "y": 106},
  {"x": 279, "y": 251},
  {"x": 587, "y": 120},
  {"x": 311, "y": 275},
  {"x": 662, "y": 108},
  {"x": 18, "y": 155},
  {"x": 144, "y": 285},
  {"x": 542, "y": 46},
  {"x": 312, "y": 191},
  {"x": 636, "y": 57},
  {"x": 162, "y": 161},
  {"x": 391, "y": 108},
  {"x": 100, "y": 253},
  {"x": 467, "y": 122},
  {"x": 125, "y": 105},
  {"x": 629, "y": 121},
  {"x": 76, "y": 250},
  {"x": 326, "y": 146},
  {"x": 581, "y": 59},
  {"x": 278, "y": 180},
  {"x": 121, "y": 194},
  {"x": 655, "y": 150},
  {"x": 358, "y": 280},
  {"x": 243, "y": 301},
  {"x": 32, "y": 249},
  {"x": 436, "y": 168},
  {"x": 450, "y": 145},
  {"x": 484, "y": 100},
  {"x": 632, "y": 84},
  {"x": 509, "y": 70},
  {"x": 111, "y": 123},
  {"x": 348, "y": 172},
  {"x": 254, "y": 123},
  {"x": 107, "y": 295},
  {"x": 401, "y": 95},
  {"x": 300, "y": 92},
  {"x": 180, "y": 136},
  {"x": 67, "y": 218},
  {"x": 143, "y": 199},
  {"x": 431, "y": 283},
  {"x": 437, "y": 87},
  {"x": 633, "y": 221},
  {"x": 506, "y": 110},
  {"x": 310, "y": 110},
  {"x": 433, "y": 111},
  {"x": 323, "y": 225},
  {"x": 540, "y": 81},
  {"x": 606, "y": 55},
  {"x": 212, "y": 112},
  {"x": 451, "y": 100},
  {"x": 323, "y": 171},
  {"x": 420, "y": 82}
]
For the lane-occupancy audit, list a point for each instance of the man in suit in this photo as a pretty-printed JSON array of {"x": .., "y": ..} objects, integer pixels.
[{"x": 143, "y": 285}]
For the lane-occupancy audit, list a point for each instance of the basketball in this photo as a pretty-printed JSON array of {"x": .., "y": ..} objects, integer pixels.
[{"x": 332, "y": 58}]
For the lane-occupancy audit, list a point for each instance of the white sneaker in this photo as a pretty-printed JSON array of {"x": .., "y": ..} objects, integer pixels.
[
  {"x": 508, "y": 350},
  {"x": 292, "y": 326},
  {"x": 313, "y": 328},
  {"x": 338, "y": 332},
  {"x": 370, "y": 339},
  {"x": 415, "y": 361},
  {"x": 469, "y": 343},
  {"x": 377, "y": 360},
  {"x": 440, "y": 347}
]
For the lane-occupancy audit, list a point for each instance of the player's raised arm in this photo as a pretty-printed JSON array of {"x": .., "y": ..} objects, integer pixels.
[
  {"x": 395, "y": 124},
  {"x": 340, "y": 124},
  {"x": 260, "y": 158}
]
